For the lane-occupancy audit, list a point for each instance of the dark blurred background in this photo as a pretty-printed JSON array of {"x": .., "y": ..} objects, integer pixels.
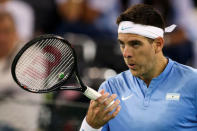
[{"x": 90, "y": 25}]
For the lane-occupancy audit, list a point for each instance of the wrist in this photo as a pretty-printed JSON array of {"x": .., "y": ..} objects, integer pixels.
[
  {"x": 91, "y": 124},
  {"x": 86, "y": 127}
]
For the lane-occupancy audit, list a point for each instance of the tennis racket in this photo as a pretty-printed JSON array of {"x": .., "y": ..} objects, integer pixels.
[{"x": 45, "y": 64}]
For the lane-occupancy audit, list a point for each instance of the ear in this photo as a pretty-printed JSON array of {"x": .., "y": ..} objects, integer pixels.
[{"x": 158, "y": 44}]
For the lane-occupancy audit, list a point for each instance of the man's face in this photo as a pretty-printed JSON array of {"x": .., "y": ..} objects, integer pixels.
[
  {"x": 138, "y": 53},
  {"x": 7, "y": 36}
]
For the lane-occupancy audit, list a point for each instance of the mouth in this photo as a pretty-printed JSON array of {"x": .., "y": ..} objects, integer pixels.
[{"x": 131, "y": 66}]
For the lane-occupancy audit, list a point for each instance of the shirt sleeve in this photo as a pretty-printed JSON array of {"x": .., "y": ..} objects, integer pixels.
[
  {"x": 86, "y": 127},
  {"x": 196, "y": 98}
]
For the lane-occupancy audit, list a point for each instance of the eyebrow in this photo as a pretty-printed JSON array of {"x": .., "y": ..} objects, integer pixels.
[
  {"x": 120, "y": 41},
  {"x": 131, "y": 41}
]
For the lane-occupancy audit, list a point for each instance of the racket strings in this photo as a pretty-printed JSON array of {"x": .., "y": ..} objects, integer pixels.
[
  {"x": 22, "y": 66},
  {"x": 30, "y": 51},
  {"x": 63, "y": 66},
  {"x": 66, "y": 64},
  {"x": 53, "y": 75},
  {"x": 48, "y": 80}
]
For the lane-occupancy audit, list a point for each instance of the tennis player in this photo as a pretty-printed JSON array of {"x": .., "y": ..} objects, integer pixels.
[{"x": 156, "y": 93}]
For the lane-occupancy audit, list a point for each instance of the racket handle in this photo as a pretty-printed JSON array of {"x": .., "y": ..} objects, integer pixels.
[{"x": 93, "y": 95}]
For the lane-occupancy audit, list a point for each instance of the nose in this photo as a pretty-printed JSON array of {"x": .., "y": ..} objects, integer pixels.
[{"x": 127, "y": 52}]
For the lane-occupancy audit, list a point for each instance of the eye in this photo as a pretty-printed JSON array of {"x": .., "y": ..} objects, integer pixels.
[
  {"x": 135, "y": 43},
  {"x": 122, "y": 45}
]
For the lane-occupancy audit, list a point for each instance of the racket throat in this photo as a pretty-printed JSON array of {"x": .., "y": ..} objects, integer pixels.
[
  {"x": 71, "y": 88},
  {"x": 83, "y": 87}
]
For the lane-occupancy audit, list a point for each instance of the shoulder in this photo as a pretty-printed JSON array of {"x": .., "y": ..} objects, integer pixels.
[
  {"x": 185, "y": 75},
  {"x": 188, "y": 77},
  {"x": 113, "y": 84},
  {"x": 185, "y": 70}
]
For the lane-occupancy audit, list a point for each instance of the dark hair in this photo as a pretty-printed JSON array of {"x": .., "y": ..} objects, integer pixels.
[{"x": 142, "y": 14}]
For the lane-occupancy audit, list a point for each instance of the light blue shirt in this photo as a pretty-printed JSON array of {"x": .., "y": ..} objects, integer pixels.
[{"x": 168, "y": 104}]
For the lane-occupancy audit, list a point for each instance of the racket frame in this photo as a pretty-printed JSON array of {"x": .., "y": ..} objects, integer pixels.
[{"x": 57, "y": 86}]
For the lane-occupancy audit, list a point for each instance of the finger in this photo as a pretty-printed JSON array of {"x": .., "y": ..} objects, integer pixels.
[
  {"x": 98, "y": 101},
  {"x": 93, "y": 104},
  {"x": 109, "y": 100},
  {"x": 102, "y": 92},
  {"x": 113, "y": 115},
  {"x": 112, "y": 107},
  {"x": 102, "y": 98}
]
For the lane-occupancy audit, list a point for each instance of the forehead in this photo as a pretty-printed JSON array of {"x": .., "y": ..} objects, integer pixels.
[{"x": 129, "y": 37}]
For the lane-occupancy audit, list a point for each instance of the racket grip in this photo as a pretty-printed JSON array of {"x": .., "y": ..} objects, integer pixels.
[{"x": 93, "y": 95}]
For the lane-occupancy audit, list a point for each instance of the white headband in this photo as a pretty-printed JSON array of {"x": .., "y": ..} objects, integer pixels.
[{"x": 143, "y": 30}]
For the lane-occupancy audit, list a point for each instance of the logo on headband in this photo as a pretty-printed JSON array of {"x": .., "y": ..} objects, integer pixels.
[{"x": 124, "y": 28}]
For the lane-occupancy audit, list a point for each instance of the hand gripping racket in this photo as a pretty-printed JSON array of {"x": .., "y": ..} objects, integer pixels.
[{"x": 45, "y": 64}]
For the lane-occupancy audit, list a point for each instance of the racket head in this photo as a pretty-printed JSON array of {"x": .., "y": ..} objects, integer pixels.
[{"x": 29, "y": 83}]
